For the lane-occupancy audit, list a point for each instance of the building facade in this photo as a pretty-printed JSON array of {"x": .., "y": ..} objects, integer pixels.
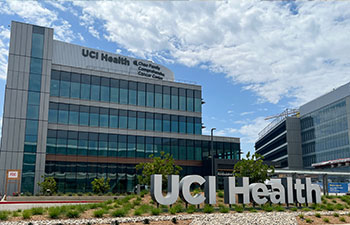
[
  {"x": 76, "y": 113},
  {"x": 321, "y": 134}
]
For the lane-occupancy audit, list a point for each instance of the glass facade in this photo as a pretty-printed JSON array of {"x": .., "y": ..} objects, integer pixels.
[
  {"x": 324, "y": 134},
  {"x": 94, "y": 88},
  {"x": 33, "y": 104}
]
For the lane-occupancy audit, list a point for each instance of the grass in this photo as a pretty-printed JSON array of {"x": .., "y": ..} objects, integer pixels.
[
  {"x": 318, "y": 215},
  {"x": 73, "y": 214},
  {"x": 176, "y": 209},
  {"x": 120, "y": 213},
  {"x": 239, "y": 208},
  {"x": 191, "y": 209},
  {"x": 267, "y": 208},
  {"x": 208, "y": 209},
  {"x": 301, "y": 216},
  {"x": 220, "y": 194},
  {"x": 308, "y": 220},
  {"x": 279, "y": 208},
  {"x": 99, "y": 213},
  {"x": 15, "y": 214},
  {"x": 294, "y": 209},
  {"x": 3, "y": 215},
  {"x": 26, "y": 214},
  {"x": 305, "y": 209},
  {"x": 37, "y": 211},
  {"x": 339, "y": 206},
  {"x": 342, "y": 219},
  {"x": 54, "y": 212},
  {"x": 326, "y": 220},
  {"x": 223, "y": 209},
  {"x": 156, "y": 211}
]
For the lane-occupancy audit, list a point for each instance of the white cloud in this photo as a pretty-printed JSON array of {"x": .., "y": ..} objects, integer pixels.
[
  {"x": 4, "y": 45},
  {"x": 246, "y": 113},
  {"x": 94, "y": 32},
  {"x": 263, "y": 45}
]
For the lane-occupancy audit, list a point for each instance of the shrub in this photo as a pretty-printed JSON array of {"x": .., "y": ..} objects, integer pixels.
[
  {"x": 72, "y": 214},
  {"x": 138, "y": 212},
  {"x": 305, "y": 209},
  {"x": 172, "y": 210},
  {"x": 335, "y": 214},
  {"x": 330, "y": 207},
  {"x": 220, "y": 194},
  {"x": 224, "y": 209},
  {"x": 239, "y": 208},
  {"x": 318, "y": 215},
  {"x": 3, "y": 215},
  {"x": 119, "y": 213},
  {"x": 342, "y": 219},
  {"x": 100, "y": 185},
  {"x": 191, "y": 209},
  {"x": 38, "y": 211},
  {"x": 99, "y": 213},
  {"x": 15, "y": 214},
  {"x": 48, "y": 186},
  {"x": 54, "y": 212},
  {"x": 339, "y": 206},
  {"x": 253, "y": 210},
  {"x": 208, "y": 208},
  {"x": 136, "y": 202},
  {"x": 156, "y": 211},
  {"x": 334, "y": 201},
  {"x": 267, "y": 208},
  {"x": 308, "y": 220},
  {"x": 144, "y": 208},
  {"x": 294, "y": 209},
  {"x": 174, "y": 220},
  {"x": 301, "y": 216},
  {"x": 279, "y": 208},
  {"x": 326, "y": 220},
  {"x": 26, "y": 214}
]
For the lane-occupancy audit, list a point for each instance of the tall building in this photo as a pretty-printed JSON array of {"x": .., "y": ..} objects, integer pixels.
[
  {"x": 321, "y": 134},
  {"x": 76, "y": 113}
]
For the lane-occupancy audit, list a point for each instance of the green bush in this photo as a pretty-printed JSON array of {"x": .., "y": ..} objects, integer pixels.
[
  {"x": 330, "y": 207},
  {"x": 191, "y": 209},
  {"x": 38, "y": 211},
  {"x": 54, "y": 212},
  {"x": 267, "y": 208},
  {"x": 99, "y": 213},
  {"x": 294, "y": 209},
  {"x": 279, "y": 208},
  {"x": 326, "y": 220},
  {"x": 72, "y": 214},
  {"x": 342, "y": 219},
  {"x": 26, "y": 214},
  {"x": 253, "y": 210},
  {"x": 145, "y": 208},
  {"x": 308, "y": 220},
  {"x": 177, "y": 208},
  {"x": 15, "y": 214},
  {"x": 100, "y": 185},
  {"x": 220, "y": 194},
  {"x": 336, "y": 214},
  {"x": 239, "y": 208},
  {"x": 334, "y": 201},
  {"x": 136, "y": 202},
  {"x": 48, "y": 186},
  {"x": 156, "y": 211},
  {"x": 208, "y": 209},
  {"x": 301, "y": 216},
  {"x": 138, "y": 212},
  {"x": 119, "y": 213},
  {"x": 318, "y": 215},
  {"x": 305, "y": 209},
  {"x": 223, "y": 209},
  {"x": 3, "y": 215},
  {"x": 339, "y": 206}
]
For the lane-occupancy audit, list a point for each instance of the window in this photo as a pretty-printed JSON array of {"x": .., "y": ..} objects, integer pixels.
[
  {"x": 198, "y": 151},
  {"x": 158, "y": 122},
  {"x": 34, "y": 82},
  {"x": 103, "y": 145},
  {"x": 95, "y": 88},
  {"x": 104, "y": 117},
  {"x": 65, "y": 84},
  {"x": 132, "y": 120},
  {"x": 140, "y": 147},
  {"x": 182, "y": 99},
  {"x": 166, "y": 123},
  {"x": 149, "y": 146},
  {"x": 36, "y": 65},
  {"x": 174, "y": 124},
  {"x": 182, "y": 149},
  {"x": 123, "y": 92},
  {"x": 175, "y": 148},
  {"x": 85, "y": 87},
  {"x": 104, "y": 89},
  {"x": 198, "y": 125},
  {"x": 74, "y": 114},
  {"x": 37, "y": 45},
  {"x": 190, "y": 149},
  {"x": 132, "y": 92},
  {"x": 112, "y": 145},
  {"x": 54, "y": 87},
  {"x": 157, "y": 147},
  {"x": 197, "y": 101},
  {"x": 166, "y": 97},
  {"x": 53, "y": 112},
  {"x": 141, "y": 120},
  {"x": 174, "y": 98},
  {"x": 182, "y": 124},
  {"x": 63, "y": 114},
  {"x": 31, "y": 127},
  {"x": 158, "y": 96},
  {"x": 150, "y": 95},
  {"x": 84, "y": 115},
  {"x": 93, "y": 144},
  {"x": 75, "y": 85},
  {"x": 190, "y": 100},
  {"x": 141, "y": 94},
  {"x": 190, "y": 129},
  {"x": 114, "y": 91},
  {"x": 149, "y": 121},
  {"x": 113, "y": 118},
  {"x": 94, "y": 116},
  {"x": 122, "y": 145},
  {"x": 131, "y": 152},
  {"x": 32, "y": 111},
  {"x": 123, "y": 119}
]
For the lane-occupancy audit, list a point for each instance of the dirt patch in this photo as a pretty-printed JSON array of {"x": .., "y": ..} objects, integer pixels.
[
  {"x": 180, "y": 222},
  {"x": 331, "y": 218}
]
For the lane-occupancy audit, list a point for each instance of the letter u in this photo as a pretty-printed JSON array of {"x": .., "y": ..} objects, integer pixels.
[
  {"x": 173, "y": 189},
  {"x": 85, "y": 53}
]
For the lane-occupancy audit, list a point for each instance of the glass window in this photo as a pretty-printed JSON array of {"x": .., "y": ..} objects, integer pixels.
[
  {"x": 103, "y": 145},
  {"x": 190, "y": 100},
  {"x": 72, "y": 146},
  {"x": 141, "y": 120},
  {"x": 123, "y": 92},
  {"x": 31, "y": 127},
  {"x": 74, "y": 114},
  {"x": 32, "y": 111},
  {"x": 175, "y": 148},
  {"x": 94, "y": 116},
  {"x": 95, "y": 88},
  {"x": 63, "y": 114},
  {"x": 122, "y": 146},
  {"x": 174, "y": 98},
  {"x": 113, "y": 118},
  {"x": 150, "y": 95},
  {"x": 54, "y": 87},
  {"x": 104, "y": 117},
  {"x": 34, "y": 82},
  {"x": 85, "y": 87},
  {"x": 166, "y": 147},
  {"x": 131, "y": 152},
  {"x": 84, "y": 115},
  {"x": 198, "y": 125},
  {"x": 93, "y": 144},
  {"x": 33, "y": 98},
  {"x": 53, "y": 113},
  {"x": 132, "y": 92},
  {"x": 141, "y": 94},
  {"x": 166, "y": 97},
  {"x": 190, "y": 149},
  {"x": 123, "y": 120},
  {"x": 51, "y": 145},
  {"x": 174, "y": 124},
  {"x": 83, "y": 143},
  {"x": 166, "y": 123},
  {"x": 190, "y": 129},
  {"x": 114, "y": 91},
  {"x": 158, "y": 101},
  {"x": 182, "y": 124},
  {"x": 36, "y": 65},
  {"x": 198, "y": 151},
  {"x": 158, "y": 122},
  {"x": 75, "y": 85},
  {"x": 105, "y": 89},
  {"x": 182, "y": 149},
  {"x": 65, "y": 84},
  {"x": 132, "y": 120},
  {"x": 149, "y": 121},
  {"x": 197, "y": 101},
  {"x": 140, "y": 147},
  {"x": 37, "y": 45},
  {"x": 157, "y": 147},
  {"x": 112, "y": 145},
  {"x": 182, "y": 99},
  {"x": 149, "y": 146}
]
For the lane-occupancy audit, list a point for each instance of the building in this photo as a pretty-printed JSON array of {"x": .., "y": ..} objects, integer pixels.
[
  {"x": 77, "y": 113},
  {"x": 320, "y": 134}
]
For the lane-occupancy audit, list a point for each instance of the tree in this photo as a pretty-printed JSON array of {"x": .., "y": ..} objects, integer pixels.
[
  {"x": 48, "y": 186},
  {"x": 254, "y": 168},
  {"x": 163, "y": 165},
  {"x": 101, "y": 185}
]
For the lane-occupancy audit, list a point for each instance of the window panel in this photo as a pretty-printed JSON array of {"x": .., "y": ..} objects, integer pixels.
[
  {"x": 132, "y": 120},
  {"x": 123, "y": 120},
  {"x": 36, "y": 65},
  {"x": 182, "y": 149},
  {"x": 53, "y": 114},
  {"x": 149, "y": 121},
  {"x": 63, "y": 114},
  {"x": 132, "y": 92},
  {"x": 123, "y": 92},
  {"x": 113, "y": 118},
  {"x": 149, "y": 146},
  {"x": 174, "y": 124},
  {"x": 34, "y": 82},
  {"x": 54, "y": 87},
  {"x": 94, "y": 116},
  {"x": 141, "y": 120},
  {"x": 141, "y": 94},
  {"x": 150, "y": 95},
  {"x": 190, "y": 100},
  {"x": 158, "y": 99},
  {"x": 140, "y": 147},
  {"x": 190, "y": 125},
  {"x": 166, "y": 97},
  {"x": 32, "y": 112},
  {"x": 122, "y": 144},
  {"x": 182, "y": 124},
  {"x": 104, "y": 117},
  {"x": 37, "y": 45},
  {"x": 166, "y": 123},
  {"x": 114, "y": 91},
  {"x": 174, "y": 98},
  {"x": 158, "y": 122},
  {"x": 33, "y": 98},
  {"x": 182, "y": 99},
  {"x": 197, "y": 101},
  {"x": 131, "y": 152}
]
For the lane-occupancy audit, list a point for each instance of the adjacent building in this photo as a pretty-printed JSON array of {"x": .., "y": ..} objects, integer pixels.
[
  {"x": 77, "y": 113},
  {"x": 319, "y": 134}
]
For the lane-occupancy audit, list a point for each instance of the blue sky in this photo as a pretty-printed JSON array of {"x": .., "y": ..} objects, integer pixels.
[{"x": 253, "y": 58}]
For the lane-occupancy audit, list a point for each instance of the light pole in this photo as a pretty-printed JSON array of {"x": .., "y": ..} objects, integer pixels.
[{"x": 212, "y": 150}]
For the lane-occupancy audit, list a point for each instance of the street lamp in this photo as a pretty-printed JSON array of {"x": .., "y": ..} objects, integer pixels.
[{"x": 212, "y": 150}]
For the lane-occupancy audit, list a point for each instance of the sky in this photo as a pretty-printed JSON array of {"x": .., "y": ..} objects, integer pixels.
[{"x": 252, "y": 58}]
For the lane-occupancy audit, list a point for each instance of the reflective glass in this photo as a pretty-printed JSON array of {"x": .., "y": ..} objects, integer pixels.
[
  {"x": 150, "y": 95},
  {"x": 174, "y": 124},
  {"x": 82, "y": 147},
  {"x": 123, "y": 120},
  {"x": 190, "y": 100},
  {"x": 141, "y": 120},
  {"x": 75, "y": 90},
  {"x": 122, "y": 144},
  {"x": 37, "y": 45},
  {"x": 83, "y": 118},
  {"x": 131, "y": 152},
  {"x": 54, "y": 88},
  {"x": 182, "y": 149},
  {"x": 102, "y": 147},
  {"x": 190, "y": 129},
  {"x": 72, "y": 147},
  {"x": 53, "y": 113},
  {"x": 166, "y": 97},
  {"x": 104, "y": 94},
  {"x": 32, "y": 111},
  {"x": 182, "y": 124},
  {"x": 166, "y": 123},
  {"x": 174, "y": 148},
  {"x": 61, "y": 146},
  {"x": 149, "y": 121},
  {"x": 33, "y": 98},
  {"x": 149, "y": 146},
  {"x": 158, "y": 122},
  {"x": 34, "y": 82},
  {"x": 158, "y": 99},
  {"x": 95, "y": 92},
  {"x": 112, "y": 148},
  {"x": 64, "y": 88},
  {"x": 182, "y": 99},
  {"x": 94, "y": 118},
  {"x": 85, "y": 91},
  {"x": 73, "y": 117},
  {"x": 132, "y": 92},
  {"x": 36, "y": 65},
  {"x": 190, "y": 149},
  {"x": 132, "y": 120},
  {"x": 113, "y": 118},
  {"x": 198, "y": 125},
  {"x": 123, "y": 92},
  {"x": 63, "y": 116},
  {"x": 93, "y": 148}
]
